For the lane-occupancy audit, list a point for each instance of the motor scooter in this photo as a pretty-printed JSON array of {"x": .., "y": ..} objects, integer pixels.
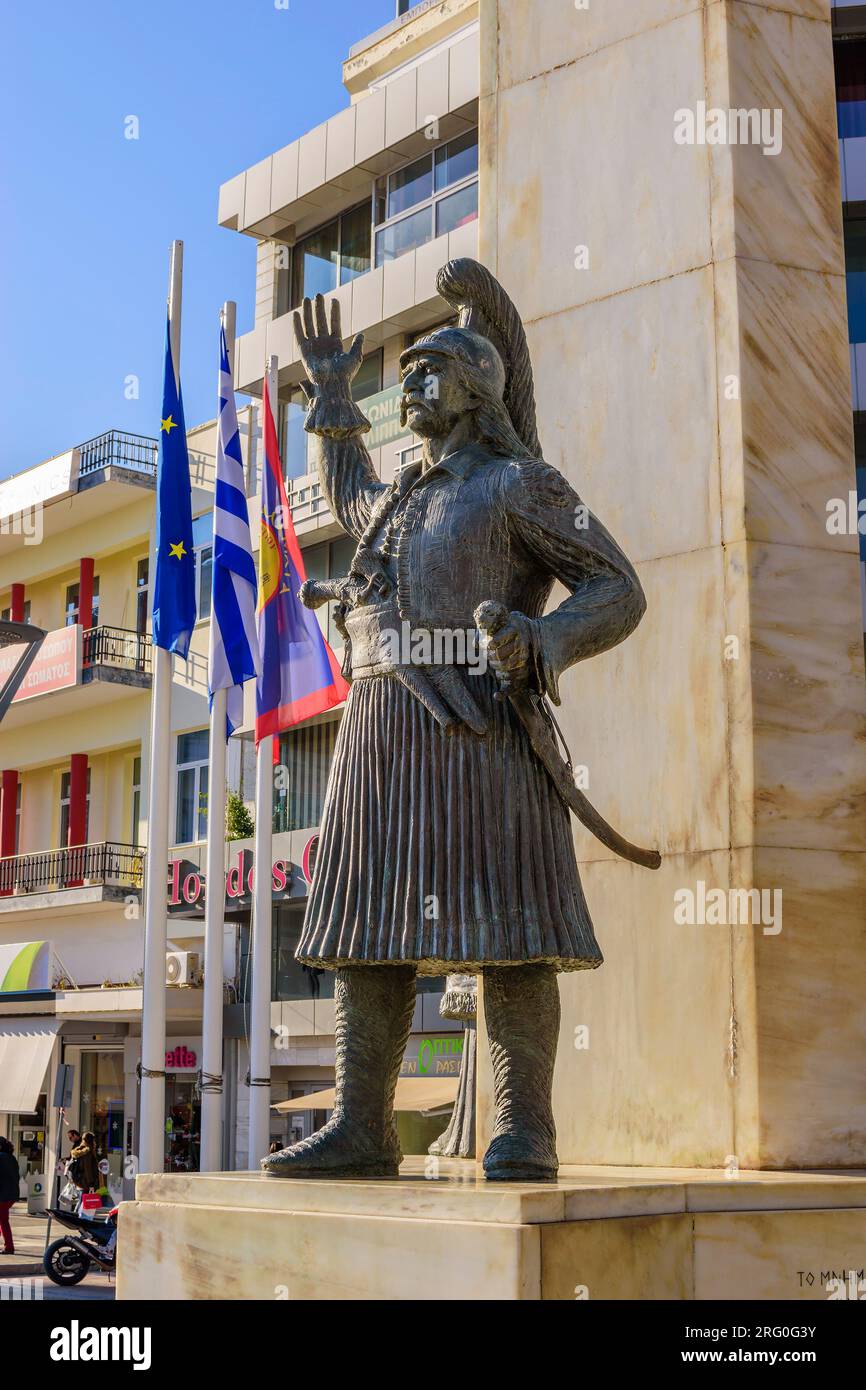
[{"x": 67, "y": 1260}]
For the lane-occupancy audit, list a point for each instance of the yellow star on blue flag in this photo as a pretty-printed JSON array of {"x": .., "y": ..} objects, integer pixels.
[{"x": 174, "y": 606}]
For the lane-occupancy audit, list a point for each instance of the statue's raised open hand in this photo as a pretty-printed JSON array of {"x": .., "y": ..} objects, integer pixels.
[{"x": 330, "y": 371}]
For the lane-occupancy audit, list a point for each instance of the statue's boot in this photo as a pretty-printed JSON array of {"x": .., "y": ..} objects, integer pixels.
[
  {"x": 521, "y": 1011},
  {"x": 374, "y": 1007}
]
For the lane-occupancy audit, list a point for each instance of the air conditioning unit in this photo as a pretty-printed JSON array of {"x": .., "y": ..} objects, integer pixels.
[{"x": 182, "y": 968}]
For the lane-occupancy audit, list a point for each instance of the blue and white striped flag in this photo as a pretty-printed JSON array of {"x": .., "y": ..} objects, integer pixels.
[{"x": 234, "y": 644}]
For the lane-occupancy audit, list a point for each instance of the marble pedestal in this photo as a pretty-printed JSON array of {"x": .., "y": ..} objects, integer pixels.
[{"x": 598, "y": 1233}]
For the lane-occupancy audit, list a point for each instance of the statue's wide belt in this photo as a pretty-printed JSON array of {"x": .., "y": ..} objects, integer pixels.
[{"x": 383, "y": 642}]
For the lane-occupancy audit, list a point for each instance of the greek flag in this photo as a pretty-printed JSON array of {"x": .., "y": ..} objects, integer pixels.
[{"x": 234, "y": 646}]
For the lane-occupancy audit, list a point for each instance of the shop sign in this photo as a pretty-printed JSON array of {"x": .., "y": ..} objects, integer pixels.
[
  {"x": 56, "y": 665},
  {"x": 25, "y": 966},
  {"x": 181, "y": 1057},
  {"x": 187, "y": 885},
  {"x": 308, "y": 859},
  {"x": 438, "y": 1055}
]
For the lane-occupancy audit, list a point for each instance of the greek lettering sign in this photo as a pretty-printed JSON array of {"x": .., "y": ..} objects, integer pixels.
[
  {"x": 56, "y": 665},
  {"x": 383, "y": 412}
]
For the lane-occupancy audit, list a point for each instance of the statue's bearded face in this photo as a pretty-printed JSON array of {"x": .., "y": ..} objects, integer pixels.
[{"x": 434, "y": 398}]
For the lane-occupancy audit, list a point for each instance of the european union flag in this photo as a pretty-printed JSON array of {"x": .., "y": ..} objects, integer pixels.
[{"x": 174, "y": 587}]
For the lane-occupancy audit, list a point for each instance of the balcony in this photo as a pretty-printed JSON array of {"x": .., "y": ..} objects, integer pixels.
[
  {"x": 114, "y": 664},
  {"x": 118, "y": 452},
  {"x": 83, "y": 875},
  {"x": 118, "y": 655}
]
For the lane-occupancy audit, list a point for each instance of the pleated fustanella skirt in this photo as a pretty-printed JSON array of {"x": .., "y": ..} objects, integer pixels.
[{"x": 451, "y": 851}]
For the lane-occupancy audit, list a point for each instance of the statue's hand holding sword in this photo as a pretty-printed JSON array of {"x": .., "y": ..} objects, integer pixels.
[{"x": 508, "y": 651}]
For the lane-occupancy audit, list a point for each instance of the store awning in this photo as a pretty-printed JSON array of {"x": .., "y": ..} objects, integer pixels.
[
  {"x": 413, "y": 1093},
  {"x": 25, "y": 1051}
]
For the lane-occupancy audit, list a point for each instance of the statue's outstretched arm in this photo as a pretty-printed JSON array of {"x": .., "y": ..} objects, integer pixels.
[{"x": 346, "y": 473}]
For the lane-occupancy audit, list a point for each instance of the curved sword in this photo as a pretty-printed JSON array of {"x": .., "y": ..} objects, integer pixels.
[{"x": 490, "y": 617}]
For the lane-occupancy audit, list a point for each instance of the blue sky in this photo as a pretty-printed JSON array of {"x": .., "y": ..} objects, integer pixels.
[{"x": 88, "y": 216}]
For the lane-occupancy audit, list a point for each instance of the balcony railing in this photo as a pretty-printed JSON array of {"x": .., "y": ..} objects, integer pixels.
[
  {"x": 116, "y": 647},
  {"x": 137, "y": 452},
  {"x": 105, "y": 864}
]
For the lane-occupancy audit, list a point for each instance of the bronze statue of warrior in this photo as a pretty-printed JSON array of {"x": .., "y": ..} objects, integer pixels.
[{"x": 445, "y": 842}]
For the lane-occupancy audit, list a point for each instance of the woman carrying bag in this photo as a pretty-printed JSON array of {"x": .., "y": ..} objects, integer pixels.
[
  {"x": 84, "y": 1168},
  {"x": 10, "y": 1179}
]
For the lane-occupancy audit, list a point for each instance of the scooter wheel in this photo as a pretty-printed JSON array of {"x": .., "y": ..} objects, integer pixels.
[{"x": 64, "y": 1264}]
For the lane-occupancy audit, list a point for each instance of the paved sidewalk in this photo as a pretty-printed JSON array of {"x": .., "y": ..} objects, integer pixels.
[{"x": 29, "y": 1234}]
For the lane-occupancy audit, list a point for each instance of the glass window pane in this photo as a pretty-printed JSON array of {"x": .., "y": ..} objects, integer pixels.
[
  {"x": 193, "y": 747},
  {"x": 457, "y": 209},
  {"x": 295, "y": 443},
  {"x": 202, "y": 529},
  {"x": 314, "y": 264},
  {"x": 205, "y": 567},
  {"x": 410, "y": 185},
  {"x": 185, "y": 820},
  {"x": 400, "y": 237},
  {"x": 457, "y": 160},
  {"x": 369, "y": 378},
  {"x": 202, "y": 801},
  {"x": 355, "y": 245}
]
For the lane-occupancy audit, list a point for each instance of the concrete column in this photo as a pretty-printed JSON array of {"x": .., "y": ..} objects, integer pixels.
[
  {"x": 7, "y": 827},
  {"x": 685, "y": 308},
  {"x": 272, "y": 258},
  {"x": 85, "y": 592},
  {"x": 17, "y": 603},
  {"x": 78, "y": 799}
]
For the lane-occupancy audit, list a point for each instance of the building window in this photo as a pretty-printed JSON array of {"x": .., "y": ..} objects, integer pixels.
[
  {"x": 65, "y": 780},
  {"x": 305, "y": 756},
  {"x": 332, "y": 255},
  {"x": 192, "y": 785},
  {"x": 297, "y": 448},
  {"x": 6, "y": 613},
  {"x": 290, "y": 979},
  {"x": 136, "y": 802},
  {"x": 850, "y": 58},
  {"x": 330, "y": 560},
  {"x": 369, "y": 378},
  {"x": 142, "y": 596},
  {"x": 72, "y": 597},
  {"x": 429, "y": 197},
  {"x": 202, "y": 541}
]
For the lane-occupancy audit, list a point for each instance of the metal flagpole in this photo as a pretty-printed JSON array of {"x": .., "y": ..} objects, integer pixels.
[
  {"x": 260, "y": 971},
  {"x": 212, "y": 1006},
  {"x": 151, "y": 1120}
]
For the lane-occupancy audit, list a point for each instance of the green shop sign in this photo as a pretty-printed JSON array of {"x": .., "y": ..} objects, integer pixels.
[{"x": 433, "y": 1056}]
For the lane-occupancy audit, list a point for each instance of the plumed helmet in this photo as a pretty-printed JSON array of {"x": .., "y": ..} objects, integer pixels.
[{"x": 477, "y": 353}]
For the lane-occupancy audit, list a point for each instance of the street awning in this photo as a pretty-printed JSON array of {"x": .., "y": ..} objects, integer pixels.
[
  {"x": 25, "y": 1051},
  {"x": 413, "y": 1093}
]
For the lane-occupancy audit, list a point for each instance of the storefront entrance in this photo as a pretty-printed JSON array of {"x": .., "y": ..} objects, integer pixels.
[
  {"x": 101, "y": 1111},
  {"x": 182, "y": 1124}
]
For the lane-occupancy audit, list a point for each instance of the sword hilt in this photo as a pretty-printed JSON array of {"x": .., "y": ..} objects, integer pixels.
[{"x": 490, "y": 617}]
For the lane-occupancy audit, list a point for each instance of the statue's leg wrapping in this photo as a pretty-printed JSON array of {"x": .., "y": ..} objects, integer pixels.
[
  {"x": 374, "y": 1007},
  {"x": 521, "y": 1011}
]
